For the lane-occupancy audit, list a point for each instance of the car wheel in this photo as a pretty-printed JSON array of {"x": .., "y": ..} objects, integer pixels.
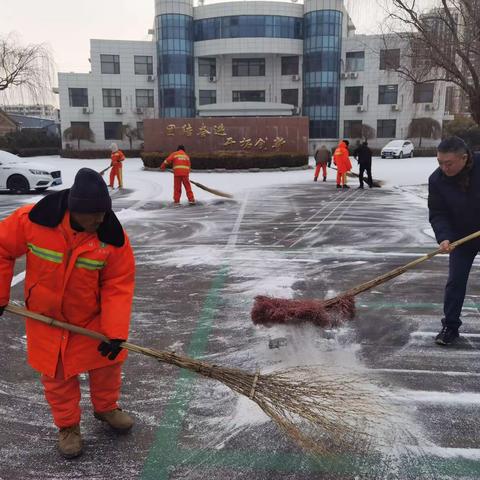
[
  {"x": 411, "y": 154},
  {"x": 18, "y": 184},
  {"x": 400, "y": 155}
]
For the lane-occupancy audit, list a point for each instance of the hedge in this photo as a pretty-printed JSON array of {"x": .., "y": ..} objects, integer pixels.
[
  {"x": 37, "y": 152},
  {"x": 232, "y": 160},
  {"x": 91, "y": 154}
]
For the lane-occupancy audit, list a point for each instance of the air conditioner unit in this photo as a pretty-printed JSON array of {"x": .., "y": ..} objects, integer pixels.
[
  {"x": 297, "y": 110},
  {"x": 119, "y": 111},
  {"x": 429, "y": 106},
  {"x": 86, "y": 110},
  {"x": 353, "y": 75},
  {"x": 295, "y": 78},
  {"x": 361, "y": 108},
  {"x": 139, "y": 111},
  {"x": 396, "y": 108},
  {"x": 344, "y": 75},
  {"x": 151, "y": 78},
  {"x": 212, "y": 79}
]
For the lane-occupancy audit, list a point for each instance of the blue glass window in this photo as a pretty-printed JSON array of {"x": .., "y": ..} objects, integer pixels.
[{"x": 241, "y": 26}]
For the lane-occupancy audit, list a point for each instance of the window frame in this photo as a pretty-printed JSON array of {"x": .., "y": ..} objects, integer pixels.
[
  {"x": 360, "y": 102},
  {"x": 150, "y": 98},
  {"x": 247, "y": 65},
  {"x": 238, "y": 94},
  {"x": 115, "y": 62},
  {"x": 383, "y": 94},
  {"x": 119, "y": 126},
  {"x": 381, "y": 128},
  {"x": 71, "y": 96},
  {"x": 148, "y": 64},
  {"x": 107, "y": 98}
]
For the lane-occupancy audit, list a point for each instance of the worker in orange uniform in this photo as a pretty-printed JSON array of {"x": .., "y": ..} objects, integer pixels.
[
  {"x": 80, "y": 270},
  {"x": 341, "y": 159},
  {"x": 116, "y": 172},
  {"x": 180, "y": 163}
]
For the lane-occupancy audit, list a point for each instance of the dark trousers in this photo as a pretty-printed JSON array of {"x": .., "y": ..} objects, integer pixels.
[
  {"x": 461, "y": 260},
  {"x": 366, "y": 167}
]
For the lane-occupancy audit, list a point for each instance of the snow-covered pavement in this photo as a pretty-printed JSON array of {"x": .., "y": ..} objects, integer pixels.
[{"x": 198, "y": 269}]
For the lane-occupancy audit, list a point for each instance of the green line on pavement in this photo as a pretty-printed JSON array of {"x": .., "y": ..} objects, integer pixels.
[
  {"x": 162, "y": 455},
  {"x": 375, "y": 466}
]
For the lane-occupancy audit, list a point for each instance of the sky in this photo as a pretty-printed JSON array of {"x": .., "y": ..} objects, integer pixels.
[{"x": 66, "y": 27}]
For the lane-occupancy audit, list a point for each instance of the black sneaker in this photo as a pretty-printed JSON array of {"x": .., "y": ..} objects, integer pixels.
[
  {"x": 339, "y": 186},
  {"x": 447, "y": 336},
  {"x": 324, "y": 179},
  {"x": 315, "y": 179},
  {"x": 346, "y": 186}
]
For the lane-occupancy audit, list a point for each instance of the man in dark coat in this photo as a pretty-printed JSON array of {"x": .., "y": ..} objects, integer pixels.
[
  {"x": 454, "y": 212},
  {"x": 363, "y": 155}
]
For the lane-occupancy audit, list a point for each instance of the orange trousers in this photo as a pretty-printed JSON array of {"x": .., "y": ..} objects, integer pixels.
[
  {"x": 178, "y": 181},
  {"x": 341, "y": 178},
  {"x": 63, "y": 396},
  {"x": 322, "y": 166},
  {"x": 116, "y": 172}
]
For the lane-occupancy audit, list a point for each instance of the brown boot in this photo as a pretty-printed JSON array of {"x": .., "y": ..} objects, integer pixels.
[
  {"x": 70, "y": 441},
  {"x": 117, "y": 419}
]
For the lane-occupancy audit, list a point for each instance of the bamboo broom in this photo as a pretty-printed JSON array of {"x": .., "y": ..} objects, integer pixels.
[
  {"x": 269, "y": 311},
  {"x": 105, "y": 170},
  {"x": 219, "y": 193},
  {"x": 317, "y": 409}
]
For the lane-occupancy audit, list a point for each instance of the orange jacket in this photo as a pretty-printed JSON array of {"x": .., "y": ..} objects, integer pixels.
[
  {"x": 180, "y": 162},
  {"x": 80, "y": 278},
  {"x": 117, "y": 158},
  {"x": 341, "y": 158}
]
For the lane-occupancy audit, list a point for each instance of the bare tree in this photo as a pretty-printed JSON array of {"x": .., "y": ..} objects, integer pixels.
[
  {"x": 443, "y": 44},
  {"x": 79, "y": 132},
  {"x": 27, "y": 67},
  {"x": 131, "y": 133},
  {"x": 425, "y": 127},
  {"x": 368, "y": 132}
]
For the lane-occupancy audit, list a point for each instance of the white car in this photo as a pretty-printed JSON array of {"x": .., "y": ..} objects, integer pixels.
[
  {"x": 20, "y": 176},
  {"x": 398, "y": 149}
]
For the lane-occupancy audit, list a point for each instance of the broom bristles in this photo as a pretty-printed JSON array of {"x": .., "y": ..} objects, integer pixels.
[
  {"x": 270, "y": 311},
  {"x": 212, "y": 190},
  {"x": 318, "y": 410}
]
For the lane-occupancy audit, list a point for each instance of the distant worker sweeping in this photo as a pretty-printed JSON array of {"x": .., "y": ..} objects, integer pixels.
[
  {"x": 323, "y": 157},
  {"x": 180, "y": 163},
  {"x": 80, "y": 270},
  {"x": 341, "y": 159},
  {"x": 117, "y": 168}
]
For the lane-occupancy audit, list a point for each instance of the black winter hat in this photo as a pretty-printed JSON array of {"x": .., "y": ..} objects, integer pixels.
[{"x": 89, "y": 193}]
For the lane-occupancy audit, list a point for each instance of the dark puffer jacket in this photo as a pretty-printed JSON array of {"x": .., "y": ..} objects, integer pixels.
[{"x": 453, "y": 212}]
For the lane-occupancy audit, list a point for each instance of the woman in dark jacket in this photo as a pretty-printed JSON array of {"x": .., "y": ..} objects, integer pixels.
[{"x": 454, "y": 212}]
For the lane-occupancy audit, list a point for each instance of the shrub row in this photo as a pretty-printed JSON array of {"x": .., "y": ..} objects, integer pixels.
[
  {"x": 232, "y": 160},
  {"x": 37, "y": 152},
  {"x": 91, "y": 154}
]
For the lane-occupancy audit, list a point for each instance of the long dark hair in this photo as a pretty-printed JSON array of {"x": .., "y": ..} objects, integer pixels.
[{"x": 458, "y": 146}]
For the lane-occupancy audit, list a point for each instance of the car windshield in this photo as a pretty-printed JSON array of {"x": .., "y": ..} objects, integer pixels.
[{"x": 396, "y": 143}]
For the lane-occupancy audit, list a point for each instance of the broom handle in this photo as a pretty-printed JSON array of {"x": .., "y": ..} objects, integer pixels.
[
  {"x": 398, "y": 271},
  {"x": 167, "y": 357}
]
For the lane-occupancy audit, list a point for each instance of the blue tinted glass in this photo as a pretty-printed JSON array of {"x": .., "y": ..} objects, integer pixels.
[
  {"x": 275, "y": 26},
  {"x": 322, "y": 54}
]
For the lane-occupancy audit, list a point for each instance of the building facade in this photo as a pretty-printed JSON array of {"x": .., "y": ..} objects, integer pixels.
[{"x": 249, "y": 58}]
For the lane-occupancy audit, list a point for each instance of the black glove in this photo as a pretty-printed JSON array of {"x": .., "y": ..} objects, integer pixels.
[
  {"x": 111, "y": 348},
  {"x": 2, "y": 308}
]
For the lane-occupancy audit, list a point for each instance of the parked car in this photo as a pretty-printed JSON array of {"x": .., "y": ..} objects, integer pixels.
[
  {"x": 20, "y": 176},
  {"x": 398, "y": 149}
]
